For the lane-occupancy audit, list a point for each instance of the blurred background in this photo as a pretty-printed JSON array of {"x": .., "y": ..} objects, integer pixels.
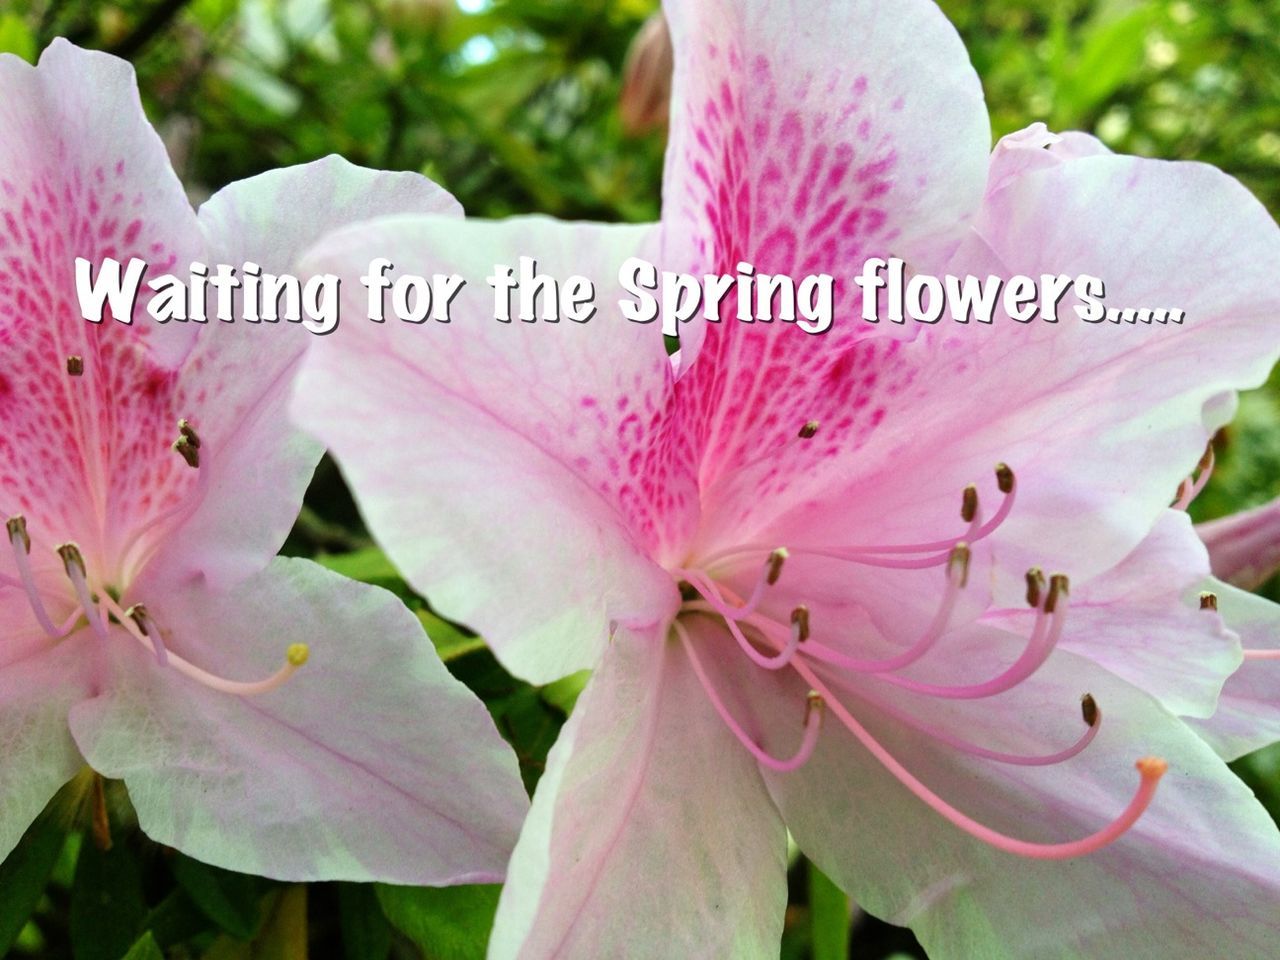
[{"x": 557, "y": 106}]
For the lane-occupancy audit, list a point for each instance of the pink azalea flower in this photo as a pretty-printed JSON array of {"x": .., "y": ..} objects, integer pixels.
[
  {"x": 807, "y": 585},
  {"x": 1245, "y": 547},
  {"x": 148, "y": 476}
]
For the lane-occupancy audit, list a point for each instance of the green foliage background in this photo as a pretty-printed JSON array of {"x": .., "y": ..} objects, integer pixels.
[{"x": 513, "y": 107}]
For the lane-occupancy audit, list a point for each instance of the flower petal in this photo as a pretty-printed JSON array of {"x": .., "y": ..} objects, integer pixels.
[
  {"x": 484, "y": 453},
  {"x": 37, "y": 754},
  {"x": 806, "y": 137},
  {"x": 651, "y": 835},
  {"x": 1198, "y": 875},
  {"x": 371, "y": 763},
  {"x": 236, "y": 385},
  {"x": 1248, "y": 715}
]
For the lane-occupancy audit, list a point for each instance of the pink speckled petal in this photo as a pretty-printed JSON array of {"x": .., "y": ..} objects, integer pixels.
[
  {"x": 1099, "y": 422},
  {"x": 1198, "y": 875},
  {"x": 83, "y": 175},
  {"x": 235, "y": 385},
  {"x": 524, "y": 457},
  {"x": 370, "y": 763},
  {"x": 1248, "y": 715},
  {"x": 806, "y": 137},
  {"x": 651, "y": 835},
  {"x": 37, "y": 754}
]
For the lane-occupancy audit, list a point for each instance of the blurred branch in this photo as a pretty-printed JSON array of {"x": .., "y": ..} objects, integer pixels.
[{"x": 153, "y": 23}]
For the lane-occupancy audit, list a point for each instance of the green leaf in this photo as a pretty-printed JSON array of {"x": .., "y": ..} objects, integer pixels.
[
  {"x": 24, "y": 875},
  {"x": 366, "y": 935},
  {"x": 145, "y": 949},
  {"x": 830, "y": 917},
  {"x": 107, "y": 905},
  {"x": 446, "y": 923},
  {"x": 369, "y": 565},
  {"x": 16, "y": 37},
  {"x": 450, "y": 642},
  {"x": 563, "y": 693},
  {"x": 228, "y": 899}
]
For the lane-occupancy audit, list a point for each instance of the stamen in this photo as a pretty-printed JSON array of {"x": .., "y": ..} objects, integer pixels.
[
  {"x": 1089, "y": 710},
  {"x": 774, "y": 565},
  {"x": 809, "y": 430},
  {"x": 138, "y": 614},
  {"x": 1150, "y": 769},
  {"x": 75, "y": 366},
  {"x": 969, "y": 504},
  {"x": 813, "y": 712},
  {"x": 73, "y": 561},
  {"x": 1035, "y": 587},
  {"x": 190, "y": 451},
  {"x": 1041, "y": 643},
  {"x": 1208, "y": 601},
  {"x": 296, "y": 655},
  {"x": 1261, "y": 654},
  {"x": 1188, "y": 490},
  {"x": 188, "y": 445},
  {"x": 709, "y": 591},
  {"x": 20, "y": 540},
  {"x": 800, "y": 623},
  {"x": 999, "y": 756},
  {"x": 956, "y": 575},
  {"x": 883, "y": 555}
]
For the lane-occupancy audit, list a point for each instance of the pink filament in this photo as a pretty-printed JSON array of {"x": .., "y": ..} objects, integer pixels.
[
  {"x": 813, "y": 721},
  {"x": 931, "y": 635},
  {"x": 708, "y": 589},
  {"x": 83, "y": 594},
  {"x": 28, "y": 584},
  {"x": 155, "y": 644},
  {"x": 1151, "y": 770},
  {"x": 1262, "y": 654},
  {"x": 1188, "y": 491}
]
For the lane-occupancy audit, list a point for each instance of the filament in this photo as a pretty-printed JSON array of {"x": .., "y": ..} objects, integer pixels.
[
  {"x": 708, "y": 589},
  {"x": 812, "y": 719},
  {"x": 21, "y": 543},
  {"x": 1150, "y": 769}
]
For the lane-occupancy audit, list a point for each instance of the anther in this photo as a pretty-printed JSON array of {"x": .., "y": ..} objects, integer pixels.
[
  {"x": 189, "y": 433},
  {"x": 808, "y": 431},
  {"x": 775, "y": 562},
  {"x": 812, "y": 703},
  {"x": 958, "y": 564},
  {"x": 1206, "y": 460},
  {"x": 73, "y": 560},
  {"x": 1035, "y": 586},
  {"x": 1089, "y": 709},
  {"x": 297, "y": 654},
  {"x": 75, "y": 365},
  {"x": 969, "y": 504},
  {"x": 800, "y": 621},
  {"x": 190, "y": 451},
  {"x": 1208, "y": 601},
  {"x": 17, "y": 527},
  {"x": 1059, "y": 586},
  {"x": 1004, "y": 478}
]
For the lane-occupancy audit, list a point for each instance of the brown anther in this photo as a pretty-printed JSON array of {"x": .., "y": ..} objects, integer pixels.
[
  {"x": 969, "y": 504},
  {"x": 1089, "y": 709},
  {"x": 17, "y": 527},
  {"x": 1059, "y": 586},
  {"x": 809, "y": 430},
  {"x": 800, "y": 620},
  {"x": 1035, "y": 586},
  {"x": 959, "y": 560},
  {"x": 775, "y": 562},
  {"x": 138, "y": 614},
  {"x": 72, "y": 559},
  {"x": 813, "y": 702},
  {"x": 1206, "y": 459},
  {"x": 75, "y": 365},
  {"x": 189, "y": 451},
  {"x": 1004, "y": 478},
  {"x": 188, "y": 431},
  {"x": 1208, "y": 601}
]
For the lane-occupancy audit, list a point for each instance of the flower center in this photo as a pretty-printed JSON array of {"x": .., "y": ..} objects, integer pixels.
[
  {"x": 773, "y": 645},
  {"x": 98, "y": 605}
]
